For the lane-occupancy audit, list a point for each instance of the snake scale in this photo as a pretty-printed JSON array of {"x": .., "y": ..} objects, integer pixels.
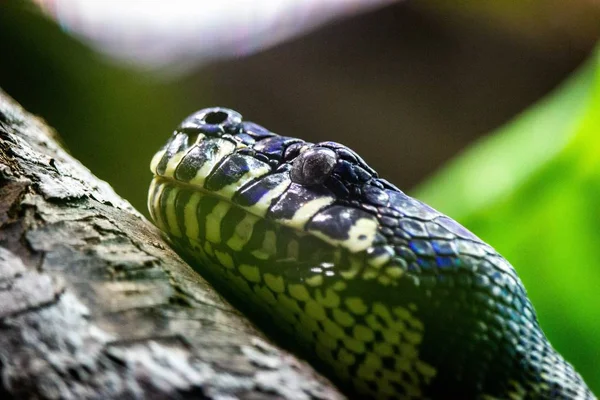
[{"x": 383, "y": 294}]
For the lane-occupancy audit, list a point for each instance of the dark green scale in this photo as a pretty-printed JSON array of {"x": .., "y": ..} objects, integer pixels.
[{"x": 381, "y": 293}]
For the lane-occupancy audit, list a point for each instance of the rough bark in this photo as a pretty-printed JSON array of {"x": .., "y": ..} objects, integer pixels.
[{"x": 93, "y": 303}]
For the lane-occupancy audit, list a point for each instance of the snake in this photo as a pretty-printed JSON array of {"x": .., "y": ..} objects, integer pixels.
[{"x": 381, "y": 293}]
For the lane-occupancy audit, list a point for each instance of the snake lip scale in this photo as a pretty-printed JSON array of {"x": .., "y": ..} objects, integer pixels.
[{"x": 380, "y": 292}]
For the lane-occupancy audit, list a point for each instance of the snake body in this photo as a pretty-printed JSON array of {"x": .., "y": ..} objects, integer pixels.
[{"x": 386, "y": 296}]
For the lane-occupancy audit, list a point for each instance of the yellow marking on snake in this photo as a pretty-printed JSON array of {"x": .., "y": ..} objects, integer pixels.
[
  {"x": 269, "y": 245},
  {"x": 333, "y": 329},
  {"x": 354, "y": 345},
  {"x": 307, "y": 211},
  {"x": 384, "y": 280},
  {"x": 413, "y": 337},
  {"x": 208, "y": 249},
  {"x": 261, "y": 207},
  {"x": 343, "y": 318},
  {"x": 225, "y": 147},
  {"x": 307, "y": 324},
  {"x": 213, "y": 221},
  {"x": 356, "y": 305},
  {"x": 345, "y": 357},
  {"x": 315, "y": 310},
  {"x": 170, "y": 212},
  {"x": 353, "y": 269},
  {"x": 261, "y": 255},
  {"x": 391, "y": 336},
  {"x": 151, "y": 193},
  {"x": 192, "y": 229},
  {"x": 382, "y": 311},
  {"x": 275, "y": 283},
  {"x": 314, "y": 281},
  {"x": 293, "y": 249},
  {"x": 363, "y": 333},
  {"x": 156, "y": 160},
  {"x": 266, "y": 295},
  {"x": 402, "y": 312},
  {"x": 327, "y": 341},
  {"x": 383, "y": 349},
  {"x": 329, "y": 300},
  {"x": 370, "y": 273},
  {"x": 289, "y": 303},
  {"x": 158, "y": 192},
  {"x": 360, "y": 235},
  {"x": 394, "y": 272},
  {"x": 299, "y": 292},
  {"x": 373, "y": 323},
  {"x": 173, "y": 163},
  {"x": 225, "y": 259},
  {"x": 254, "y": 173},
  {"x": 426, "y": 370},
  {"x": 242, "y": 232},
  {"x": 250, "y": 272},
  {"x": 380, "y": 260}
]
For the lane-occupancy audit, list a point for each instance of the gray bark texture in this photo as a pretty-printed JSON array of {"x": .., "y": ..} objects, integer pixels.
[{"x": 95, "y": 305}]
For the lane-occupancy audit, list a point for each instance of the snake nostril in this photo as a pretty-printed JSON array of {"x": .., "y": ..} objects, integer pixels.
[
  {"x": 216, "y": 117},
  {"x": 212, "y": 122}
]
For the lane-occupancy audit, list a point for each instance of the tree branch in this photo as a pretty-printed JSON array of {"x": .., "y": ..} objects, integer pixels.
[{"x": 93, "y": 304}]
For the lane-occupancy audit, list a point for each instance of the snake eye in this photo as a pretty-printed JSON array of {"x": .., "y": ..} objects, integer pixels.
[{"x": 313, "y": 166}]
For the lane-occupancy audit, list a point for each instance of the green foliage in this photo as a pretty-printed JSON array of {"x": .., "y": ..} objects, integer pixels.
[{"x": 532, "y": 190}]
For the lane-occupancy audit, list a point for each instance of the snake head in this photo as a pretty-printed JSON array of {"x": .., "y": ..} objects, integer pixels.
[
  {"x": 327, "y": 163},
  {"x": 207, "y": 137},
  {"x": 299, "y": 184}
]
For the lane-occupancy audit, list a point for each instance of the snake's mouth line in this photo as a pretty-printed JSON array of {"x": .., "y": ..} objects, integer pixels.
[
  {"x": 183, "y": 185},
  {"x": 157, "y": 180},
  {"x": 313, "y": 212}
]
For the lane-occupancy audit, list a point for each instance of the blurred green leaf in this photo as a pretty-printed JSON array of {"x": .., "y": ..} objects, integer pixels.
[{"x": 532, "y": 190}]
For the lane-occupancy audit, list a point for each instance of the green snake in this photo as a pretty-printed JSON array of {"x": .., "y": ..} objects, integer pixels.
[{"x": 381, "y": 293}]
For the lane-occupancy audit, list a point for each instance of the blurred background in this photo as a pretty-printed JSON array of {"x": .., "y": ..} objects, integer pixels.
[{"x": 487, "y": 110}]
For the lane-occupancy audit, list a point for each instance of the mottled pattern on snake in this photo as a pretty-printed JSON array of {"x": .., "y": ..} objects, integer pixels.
[{"x": 384, "y": 295}]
